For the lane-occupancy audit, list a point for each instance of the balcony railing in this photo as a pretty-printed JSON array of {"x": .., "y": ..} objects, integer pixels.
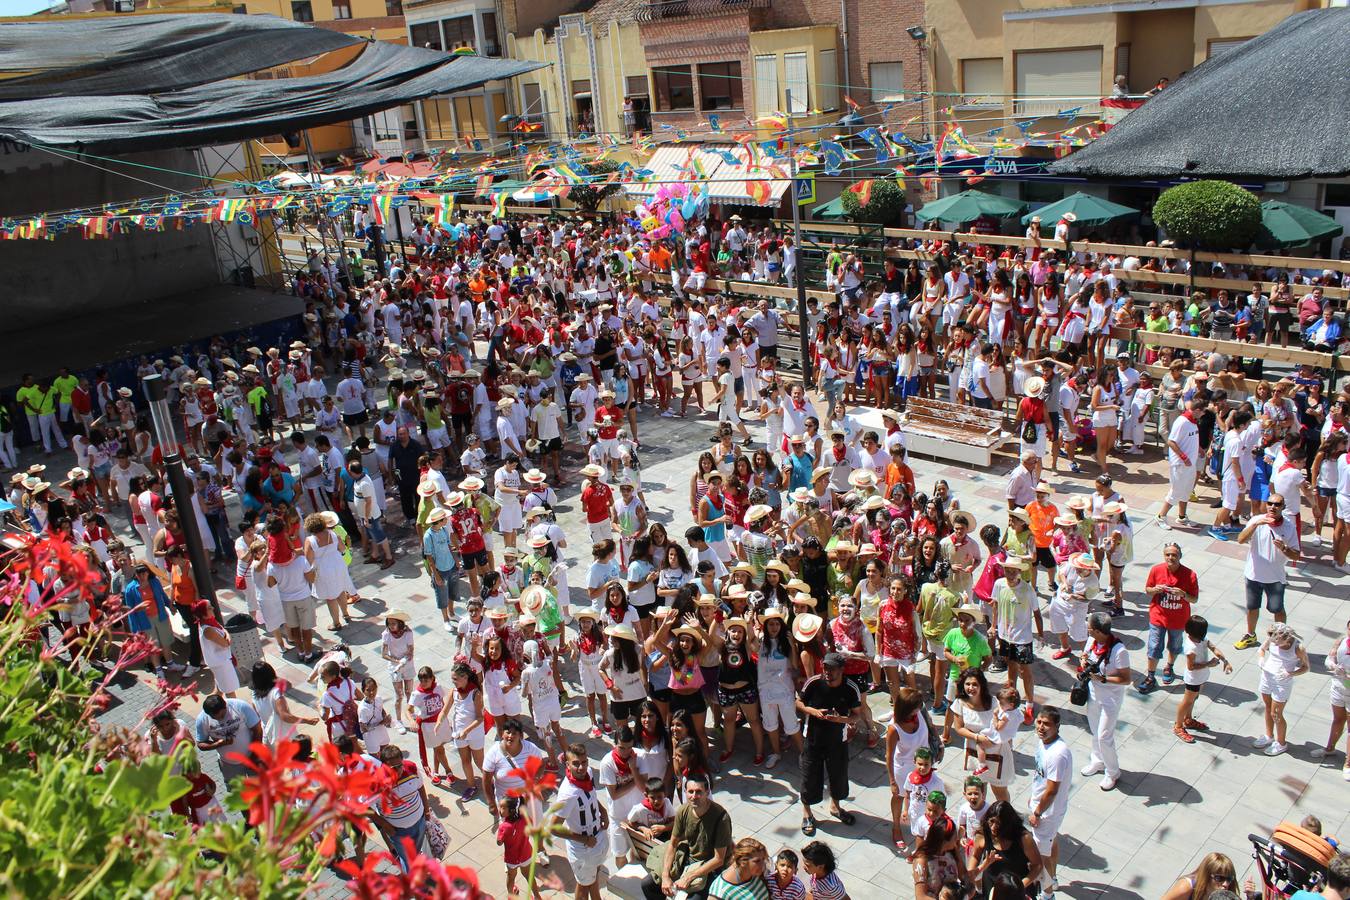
[{"x": 660, "y": 10}]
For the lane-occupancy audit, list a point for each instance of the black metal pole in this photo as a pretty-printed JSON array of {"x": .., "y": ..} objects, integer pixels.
[
  {"x": 803, "y": 315},
  {"x": 181, "y": 487},
  {"x": 398, "y": 227}
]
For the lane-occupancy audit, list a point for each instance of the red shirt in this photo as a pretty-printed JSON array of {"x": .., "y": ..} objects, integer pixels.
[
  {"x": 1166, "y": 611},
  {"x": 468, "y": 527},
  {"x": 515, "y": 841},
  {"x": 1032, "y": 409},
  {"x": 597, "y": 499},
  {"x": 81, "y": 402},
  {"x": 610, "y": 431}
]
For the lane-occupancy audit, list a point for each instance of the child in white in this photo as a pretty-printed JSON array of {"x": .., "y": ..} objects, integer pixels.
[
  {"x": 970, "y": 817},
  {"x": 372, "y": 715},
  {"x": 1001, "y": 730},
  {"x": 1282, "y": 657},
  {"x": 922, "y": 781},
  {"x": 543, "y": 687}
]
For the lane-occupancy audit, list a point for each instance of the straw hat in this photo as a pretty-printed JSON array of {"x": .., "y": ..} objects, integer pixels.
[
  {"x": 250, "y": 369},
  {"x": 496, "y": 613},
  {"x": 437, "y": 515},
  {"x": 844, "y": 547},
  {"x": 534, "y": 476},
  {"x": 1034, "y": 387},
  {"x": 692, "y": 632},
  {"x": 586, "y": 613},
  {"x": 1044, "y": 488},
  {"x": 801, "y": 495},
  {"x": 622, "y": 630},
  {"x": 126, "y": 391},
  {"x": 1069, "y": 217},
  {"x": 1019, "y": 514},
  {"x": 77, "y": 474},
  {"x": 773, "y": 612},
  {"x": 330, "y": 518},
  {"x": 705, "y": 600},
  {"x": 40, "y": 487},
  {"x": 806, "y": 626},
  {"x": 427, "y": 489},
  {"x": 796, "y": 584},
  {"x": 736, "y": 621},
  {"x": 1077, "y": 501},
  {"x": 1016, "y": 563},
  {"x": 296, "y": 354},
  {"x": 583, "y": 377},
  {"x": 18, "y": 478},
  {"x": 253, "y": 351},
  {"x": 533, "y": 598},
  {"x": 819, "y": 473},
  {"x": 757, "y": 512},
  {"x": 971, "y": 609},
  {"x": 779, "y": 567},
  {"x": 455, "y": 499},
  {"x": 962, "y": 516},
  {"x": 592, "y": 471},
  {"x": 1086, "y": 563},
  {"x": 805, "y": 598},
  {"x": 862, "y": 478},
  {"x": 471, "y": 483},
  {"x": 505, "y": 402},
  {"x": 735, "y": 592},
  {"x": 398, "y": 616},
  {"x": 876, "y": 501},
  {"x": 868, "y": 549},
  {"x": 1114, "y": 508},
  {"x": 1066, "y": 521}
]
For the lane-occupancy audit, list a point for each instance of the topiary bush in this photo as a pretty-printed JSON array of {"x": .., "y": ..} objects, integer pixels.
[
  {"x": 589, "y": 196},
  {"x": 1212, "y": 214},
  {"x": 885, "y": 207}
]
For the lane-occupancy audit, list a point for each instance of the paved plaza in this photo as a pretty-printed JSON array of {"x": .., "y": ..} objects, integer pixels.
[{"x": 1174, "y": 803}]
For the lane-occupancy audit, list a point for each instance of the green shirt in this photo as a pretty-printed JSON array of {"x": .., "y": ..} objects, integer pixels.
[
  {"x": 704, "y": 834},
  {"x": 937, "y": 609},
  {"x": 754, "y": 889},
  {"x": 65, "y": 386},
  {"x": 975, "y": 649},
  {"x": 256, "y": 398},
  {"x": 36, "y": 401}
]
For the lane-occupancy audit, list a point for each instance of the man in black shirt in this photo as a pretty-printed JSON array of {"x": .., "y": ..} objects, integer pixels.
[{"x": 829, "y": 703}]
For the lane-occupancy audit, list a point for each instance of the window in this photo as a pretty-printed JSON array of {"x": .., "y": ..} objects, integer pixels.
[
  {"x": 674, "y": 87},
  {"x": 342, "y": 9},
  {"x": 471, "y": 116},
  {"x": 532, "y": 103},
  {"x": 794, "y": 82},
  {"x": 581, "y": 86},
  {"x": 393, "y": 7},
  {"x": 459, "y": 32},
  {"x": 301, "y": 11},
  {"x": 491, "y": 47},
  {"x": 426, "y": 34},
  {"x": 1217, "y": 48},
  {"x": 887, "y": 80},
  {"x": 827, "y": 79},
  {"x": 635, "y": 86},
  {"x": 766, "y": 84},
  {"x": 982, "y": 82},
  {"x": 1066, "y": 78},
  {"x": 719, "y": 85},
  {"x": 1123, "y": 63}
]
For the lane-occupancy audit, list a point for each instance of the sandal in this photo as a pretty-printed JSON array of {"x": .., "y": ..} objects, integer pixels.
[
  {"x": 1183, "y": 735},
  {"x": 808, "y": 826},
  {"x": 1197, "y": 725},
  {"x": 846, "y": 817}
]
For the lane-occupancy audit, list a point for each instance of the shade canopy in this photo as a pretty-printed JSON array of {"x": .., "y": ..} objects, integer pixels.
[
  {"x": 968, "y": 206},
  {"x": 124, "y": 84},
  {"x": 1088, "y": 211},
  {"x": 1289, "y": 225},
  {"x": 833, "y": 209},
  {"x": 1270, "y": 109}
]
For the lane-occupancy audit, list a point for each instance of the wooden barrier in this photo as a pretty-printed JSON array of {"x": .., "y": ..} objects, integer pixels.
[
  {"x": 1295, "y": 356},
  {"x": 962, "y": 433}
]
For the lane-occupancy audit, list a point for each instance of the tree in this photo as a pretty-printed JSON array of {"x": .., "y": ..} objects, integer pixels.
[
  {"x": 588, "y": 196},
  {"x": 1212, "y": 214},
  {"x": 886, "y": 206}
]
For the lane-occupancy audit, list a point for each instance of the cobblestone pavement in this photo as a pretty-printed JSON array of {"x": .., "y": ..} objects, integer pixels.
[{"x": 1174, "y": 803}]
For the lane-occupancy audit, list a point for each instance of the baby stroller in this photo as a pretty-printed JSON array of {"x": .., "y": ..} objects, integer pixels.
[{"x": 1291, "y": 859}]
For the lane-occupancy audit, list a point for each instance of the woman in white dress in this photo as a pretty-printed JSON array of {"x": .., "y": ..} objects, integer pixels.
[
  {"x": 269, "y": 699},
  {"x": 332, "y": 582},
  {"x": 216, "y": 652},
  {"x": 972, "y": 713},
  {"x": 906, "y": 733},
  {"x": 508, "y": 493},
  {"x": 269, "y": 596}
]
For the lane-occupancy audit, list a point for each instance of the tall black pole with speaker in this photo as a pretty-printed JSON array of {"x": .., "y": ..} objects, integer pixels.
[{"x": 180, "y": 486}]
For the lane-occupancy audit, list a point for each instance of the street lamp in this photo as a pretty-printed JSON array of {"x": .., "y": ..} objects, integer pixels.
[{"x": 180, "y": 486}]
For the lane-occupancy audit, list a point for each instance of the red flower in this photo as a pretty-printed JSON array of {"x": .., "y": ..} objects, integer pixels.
[
  {"x": 535, "y": 783},
  {"x": 277, "y": 780},
  {"x": 426, "y": 879}
]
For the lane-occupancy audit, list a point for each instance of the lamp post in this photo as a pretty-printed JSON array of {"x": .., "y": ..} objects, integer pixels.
[
  {"x": 181, "y": 487},
  {"x": 802, "y": 337}
]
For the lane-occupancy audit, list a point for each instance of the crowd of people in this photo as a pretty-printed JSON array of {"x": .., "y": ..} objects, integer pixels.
[{"x": 430, "y": 415}]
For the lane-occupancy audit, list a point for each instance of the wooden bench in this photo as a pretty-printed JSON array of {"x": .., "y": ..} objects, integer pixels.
[
  {"x": 627, "y": 882},
  {"x": 947, "y": 431}
]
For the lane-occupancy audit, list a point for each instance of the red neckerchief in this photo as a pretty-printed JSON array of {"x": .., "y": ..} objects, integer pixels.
[
  {"x": 1190, "y": 416},
  {"x": 587, "y": 643},
  {"x": 799, "y": 406},
  {"x": 660, "y": 811},
  {"x": 916, "y": 778},
  {"x": 648, "y": 737},
  {"x": 616, "y": 613},
  {"x": 465, "y": 691},
  {"x": 585, "y": 786},
  {"x": 839, "y": 453},
  {"x": 621, "y": 765}
]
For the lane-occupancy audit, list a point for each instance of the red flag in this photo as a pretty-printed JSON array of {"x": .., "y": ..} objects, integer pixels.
[
  {"x": 852, "y": 104},
  {"x": 861, "y": 189},
  {"x": 759, "y": 191}
]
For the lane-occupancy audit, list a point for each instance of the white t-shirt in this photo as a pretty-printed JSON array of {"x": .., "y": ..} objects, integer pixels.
[
  {"x": 1054, "y": 762},
  {"x": 499, "y": 764},
  {"x": 1265, "y": 562},
  {"x": 1200, "y": 674},
  {"x": 548, "y": 421},
  {"x": 978, "y": 373},
  {"x": 1286, "y": 481},
  {"x": 1186, "y": 435}
]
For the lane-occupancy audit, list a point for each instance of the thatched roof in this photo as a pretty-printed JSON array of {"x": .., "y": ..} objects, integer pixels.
[{"x": 1273, "y": 108}]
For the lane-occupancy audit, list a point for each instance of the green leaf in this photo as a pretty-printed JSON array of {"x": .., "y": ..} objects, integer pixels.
[{"x": 149, "y": 786}]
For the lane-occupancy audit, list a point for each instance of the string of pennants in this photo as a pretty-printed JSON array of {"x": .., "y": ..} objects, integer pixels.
[{"x": 564, "y": 167}]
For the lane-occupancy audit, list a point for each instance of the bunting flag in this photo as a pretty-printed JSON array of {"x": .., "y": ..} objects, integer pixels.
[
  {"x": 879, "y": 143},
  {"x": 777, "y": 121},
  {"x": 568, "y": 174},
  {"x": 862, "y": 190},
  {"x": 715, "y": 123},
  {"x": 484, "y": 185},
  {"x": 445, "y": 207},
  {"x": 229, "y": 208},
  {"x": 382, "y": 209},
  {"x": 499, "y": 204},
  {"x": 852, "y": 104},
  {"x": 759, "y": 191},
  {"x": 971, "y": 176}
]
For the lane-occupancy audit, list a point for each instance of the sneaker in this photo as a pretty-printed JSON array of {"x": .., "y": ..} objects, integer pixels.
[
  {"x": 1092, "y": 768},
  {"x": 174, "y": 667},
  {"x": 1134, "y": 451},
  {"x": 1246, "y": 642},
  {"x": 1261, "y": 741},
  {"x": 1185, "y": 522},
  {"x": 1183, "y": 735},
  {"x": 667, "y": 415},
  {"x": 1146, "y": 685},
  {"x": 159, "y": 673},
  {"x": 1028, "y": 714},
  {"x": 1219, "y": 534},
  {"x": 1312, "y": 540},
  {"x": 449, "y": 627},
  {"x": 1168, "y": 676},
  {"x": 940, "y": 707},
  {"x": 1161, "y": 523},
  {"x": 1108, "y": 782},
  {"x": 1318, "y": 752},
  {"x": 980, "y": 770},
  {"x": 724, "y": 756},
  {"x": 595, "y": 732},
  {"x": 1343, "y": 568},
  {"x": 400, "y": 727},
  {"x": 189, "y": 671},
  {"x": 1075, "y": 467},
  {"x": 771, "y": 761},
  {"x": 1276, "y": 748}
]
